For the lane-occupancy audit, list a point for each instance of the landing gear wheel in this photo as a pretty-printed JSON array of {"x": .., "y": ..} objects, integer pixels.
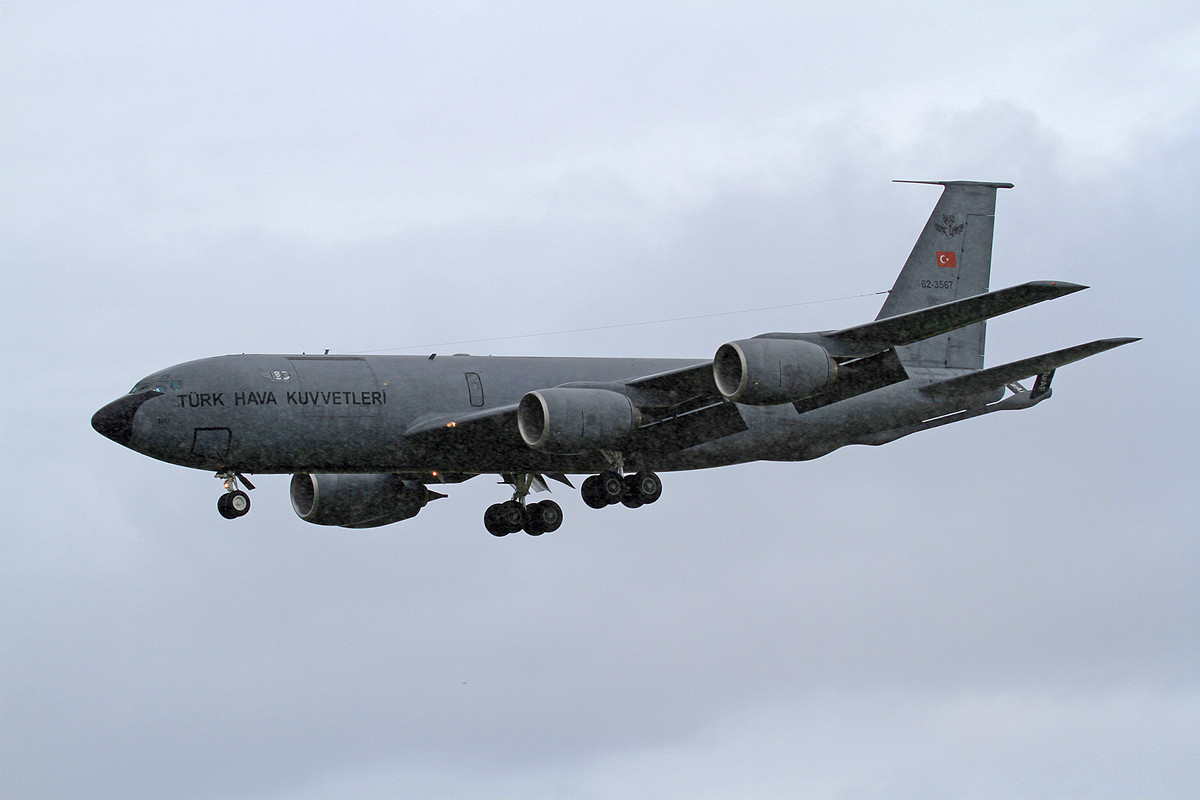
[
  {"x": 511, "y": 516},
  {"x": 631, "y": 498},
  {"x": 543, "y": 517},
  {"x": 517, "y": 514},
  {"x": 232, "y": 505},
  {"x": 592, "y": 492},
  {"x": 533, "y": 525},
  {"x": 612, "y": 487},
  {"x": 239, "y": 503},
  {"x": 646, "y": 485},
  {"x": 491, "y": 521},
  {"x": 552, "y": 515}
]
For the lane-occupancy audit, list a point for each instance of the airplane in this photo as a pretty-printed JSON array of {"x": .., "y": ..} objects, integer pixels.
[{"x": 366, "y": 436}]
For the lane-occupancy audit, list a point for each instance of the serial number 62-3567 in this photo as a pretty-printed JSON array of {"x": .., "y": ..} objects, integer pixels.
[{"x": 937, "y": 284}]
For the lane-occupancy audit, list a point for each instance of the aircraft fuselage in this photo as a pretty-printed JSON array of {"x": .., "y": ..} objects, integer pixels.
[
  {"x": 365, "y": 436},
  {"x": 300, "y": 413}
]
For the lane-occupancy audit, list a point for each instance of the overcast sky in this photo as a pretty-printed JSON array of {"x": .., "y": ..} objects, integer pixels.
[{"x": 1002, "y": 608}]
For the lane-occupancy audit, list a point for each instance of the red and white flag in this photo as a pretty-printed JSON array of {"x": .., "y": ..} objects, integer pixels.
[{"x": 947, "y": 258}]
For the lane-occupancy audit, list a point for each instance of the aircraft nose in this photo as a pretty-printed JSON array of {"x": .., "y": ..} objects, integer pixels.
[{"x": 115, "y": 420}]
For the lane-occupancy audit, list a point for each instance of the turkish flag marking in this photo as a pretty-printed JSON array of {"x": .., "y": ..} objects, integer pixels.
[{"x": 947, "y": 259}]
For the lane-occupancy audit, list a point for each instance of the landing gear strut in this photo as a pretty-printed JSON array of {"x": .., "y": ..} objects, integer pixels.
[
  {"x": 234, "y": 503},
  {"x": 515, "y": 515}
]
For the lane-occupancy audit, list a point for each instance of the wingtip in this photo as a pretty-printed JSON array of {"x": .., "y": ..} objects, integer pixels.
[
  {"x": 1060, "y": 287},
  {"x": 1119, "y": 341}
]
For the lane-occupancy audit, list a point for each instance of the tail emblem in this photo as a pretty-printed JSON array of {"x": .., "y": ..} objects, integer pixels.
[{"x": 948, "y": 228}]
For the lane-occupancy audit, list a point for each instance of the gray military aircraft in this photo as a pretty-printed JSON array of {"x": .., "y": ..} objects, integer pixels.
[{"x": 365, "y": 436}]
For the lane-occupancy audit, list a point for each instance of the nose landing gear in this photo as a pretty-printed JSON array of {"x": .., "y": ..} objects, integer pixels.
[{"x": 234, "y": 503}]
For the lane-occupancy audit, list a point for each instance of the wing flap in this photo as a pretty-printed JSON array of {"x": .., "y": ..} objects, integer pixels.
[
  {"x": 680, "y": 389},
  {"x": 690, "y": 429},
  {"x": 856, "y": 377}
]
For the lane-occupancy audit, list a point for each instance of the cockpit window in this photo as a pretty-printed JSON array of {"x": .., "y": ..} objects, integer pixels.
[{"x": 156, "y": 385}]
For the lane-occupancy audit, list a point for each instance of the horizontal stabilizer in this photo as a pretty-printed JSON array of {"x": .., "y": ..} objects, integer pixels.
[
  {"x": 986, "y": 184},
  {"x": 935, "y": 320},
  {"x": 997, "y": 377}
]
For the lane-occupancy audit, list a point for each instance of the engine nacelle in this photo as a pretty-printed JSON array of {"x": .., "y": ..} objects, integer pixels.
[
  {"x": 768, "y": 372},
  {"x": 356, "y": 501},
  {"x": 567, "y": 420}
]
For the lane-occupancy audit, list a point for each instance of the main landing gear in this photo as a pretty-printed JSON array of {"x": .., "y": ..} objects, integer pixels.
[
  {"x": 515, "y": 515},
  {"x": 535, "y": 519},
  {"x": 234, "y": 503},
  {"x": 608, "y": 488},
  {"x": 632, "y": 491}
]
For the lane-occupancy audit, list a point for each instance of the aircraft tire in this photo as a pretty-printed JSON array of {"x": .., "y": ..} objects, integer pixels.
[
  {"x": 491, "y": 521},
  {"x": 631, "y": 498},
  {"x": 543, "y": 517},
  {"x": 224, "y": 508},
  {"x": 612, "y": 487},
  {"x": 647, "y": 485},
  {"x": 533, "y": 520},
  {"x": 592, "y": 492},
  {"x": 511, "y": 516},
  {"x": 239, "y": 503}
]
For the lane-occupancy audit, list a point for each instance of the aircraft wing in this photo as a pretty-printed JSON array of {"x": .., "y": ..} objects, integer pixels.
[
  {"x": 689, "y": 386},
  {"x": 494, "y": 428},
  {"x": 998, "y": 377},
  {"x": 915, "y": 326},
  {"x": 680, "y": 408}
]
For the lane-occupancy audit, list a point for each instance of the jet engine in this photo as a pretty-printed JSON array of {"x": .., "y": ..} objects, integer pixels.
[
  {"x": 768, "y": 372},
  {"x": 570, "y": 420},
  {"x": 357, "y": 501}
]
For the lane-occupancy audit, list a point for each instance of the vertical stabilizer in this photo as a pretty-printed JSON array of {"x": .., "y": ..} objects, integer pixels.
[{"x": 952, "y": 259}]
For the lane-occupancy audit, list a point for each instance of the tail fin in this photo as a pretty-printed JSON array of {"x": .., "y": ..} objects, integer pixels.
[{"x": 952, "y": 259}]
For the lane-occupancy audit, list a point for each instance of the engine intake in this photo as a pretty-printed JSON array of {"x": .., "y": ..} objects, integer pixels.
[
  {"x": 567, "y": 421},
  {"x": 357, "y": 501},
  {"x": 768, "y": 372}
]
